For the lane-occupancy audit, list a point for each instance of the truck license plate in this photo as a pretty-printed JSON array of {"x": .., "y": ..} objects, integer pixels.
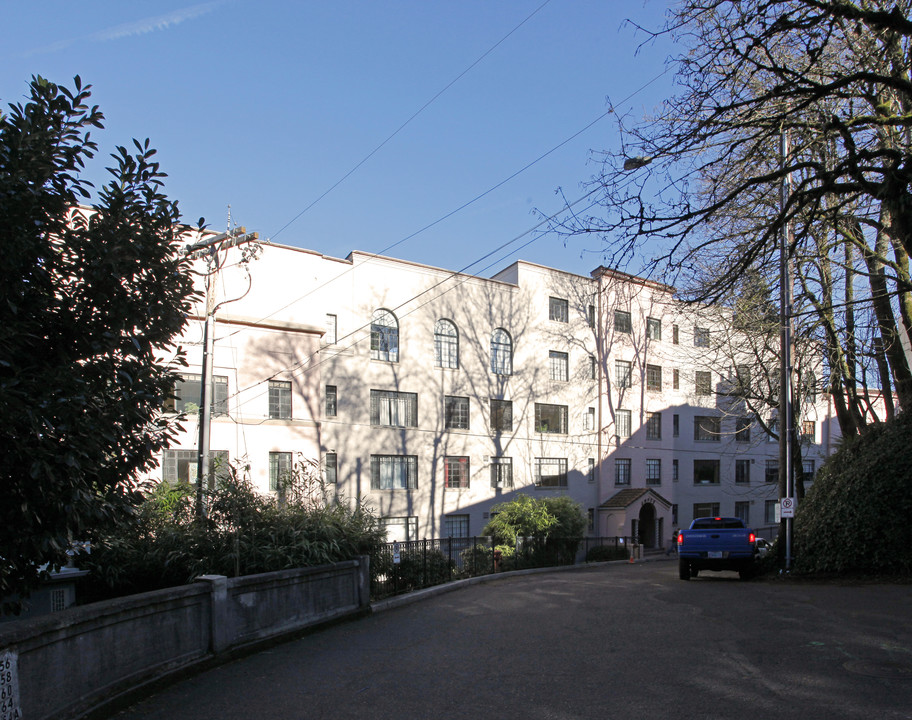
[{"x": 714, "y": 554}]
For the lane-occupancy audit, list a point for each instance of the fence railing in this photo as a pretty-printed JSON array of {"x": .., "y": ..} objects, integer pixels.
[{"x": 402, "y": 567}]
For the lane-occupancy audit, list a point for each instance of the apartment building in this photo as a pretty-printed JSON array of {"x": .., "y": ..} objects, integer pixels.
[{"x": 433, "y": 395}]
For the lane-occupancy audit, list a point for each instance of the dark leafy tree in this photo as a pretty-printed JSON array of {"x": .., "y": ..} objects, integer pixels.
[{"x": 91, "y": 297}]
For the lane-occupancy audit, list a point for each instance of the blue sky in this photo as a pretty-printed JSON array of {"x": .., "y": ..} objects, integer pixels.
[{"x": 354, "y": 124}]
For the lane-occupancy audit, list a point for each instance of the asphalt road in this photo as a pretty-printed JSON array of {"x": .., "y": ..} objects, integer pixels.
[{"x": 612, "y": 641}]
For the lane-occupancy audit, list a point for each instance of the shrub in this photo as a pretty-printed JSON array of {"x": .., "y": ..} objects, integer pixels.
[{"x": 855, "y": 517}]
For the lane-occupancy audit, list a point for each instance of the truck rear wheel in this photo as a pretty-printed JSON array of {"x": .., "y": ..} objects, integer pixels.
[{"x": 683, "y": 569}]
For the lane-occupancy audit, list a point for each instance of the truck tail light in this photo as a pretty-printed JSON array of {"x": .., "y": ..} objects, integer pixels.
[
  {"x": 753, "y": 538},
  {"x": 680, "y": 539}
]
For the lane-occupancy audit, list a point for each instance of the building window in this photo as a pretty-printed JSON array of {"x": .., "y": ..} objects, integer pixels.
[
  {"x": 769, "y": 512},
  {"x": 742, "y": 384},
  {"x": 743, "y": 429},
  {"x": 706, "y": 472},
  {"x": 703, "y": 383},
  {"x": 622, "y": 471},
  {"x": 675, "y": 336},
  {"x": 622, "y": 321},
  {"x": 592, "y": 367},
  {"x": 384, "y": 336},
  {"x": 623, "y": 373},
  {"x": 675, "y": 425},
  {"x": 456, "y": 472},
  {"x": 558, "y": 310},
  {"x": 456, "y": 412},
  {"x": 742, "y": 511},
  {"x": 808, "y": 468},
  {"x": 653, "y": 426},
  {"x": 551, "y": 419},
  {"x": 590, "y": 514},
  {"x": 179, "y": 466},
  {"x": 502, "y": 415},
  {"x": 188, "y": 393},
  {"x": 701, "y": 337},
  {"x": 589, "y": 420},
  {"x": 591, "y": 470},
  {"x": 394, "y": 472},
  {"x": 653, "y": 329},
  {"x": 809, "y": 386},
  {"x": 332, "y": 407},
  {"x": 550, "y": 472},
  {"x": 702, "y": 510},
  {"x": 330, "y": 337},
  {"x": 279, "y": 399},
  {"x": 653, "y": 472},
  {"x": 654, "y": 378},
  {"x": 590, "y": 316},
  {"x": 676, "y": 379},
  {"x": 446, "y": 345},
  {"x": 808, "y": 431},
  {"x": 707, "y": 428},
  {"x": 501, "y": 472},
  {"x": 773, "y": 434},
  {"x": 279, "y": 470},
  {"x": 400, "y": 529},
  {"x": 742, "y": 471},
  {"x": 674, "y": 470},
  {"x": 622, "y": 421},
  {"x": 456, "y": 526},
  {"x": 772, "y": 471},
  {"x": 331, "y": 465},
  {"x": 394, "y": 409},
  {"x": 558, "y": 366},
  {"x": 501, "y": 352}
]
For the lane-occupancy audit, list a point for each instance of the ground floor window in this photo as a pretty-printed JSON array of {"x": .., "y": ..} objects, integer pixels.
[
  {"x": 742, "y": 511},
  {"x": 456, "y": 526},
  {"x": 710, "y": 509},
  {"x": 769, "y": 512},
  {"x": 180, "y": 466},
  {"x": 400, "y": 529}
]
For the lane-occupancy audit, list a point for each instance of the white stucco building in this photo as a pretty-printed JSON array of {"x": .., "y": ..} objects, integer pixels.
[{"x": 434, "y": 395}]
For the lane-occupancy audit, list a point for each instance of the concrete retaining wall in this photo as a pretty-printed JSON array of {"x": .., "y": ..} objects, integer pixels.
[{"x": 63, "y": 665}]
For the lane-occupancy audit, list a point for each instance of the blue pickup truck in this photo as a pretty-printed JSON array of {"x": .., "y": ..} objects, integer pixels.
[{"x": 716, "y": 543}]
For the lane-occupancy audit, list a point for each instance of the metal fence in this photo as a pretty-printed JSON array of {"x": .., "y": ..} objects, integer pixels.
[{"x": 402, "y": 567}]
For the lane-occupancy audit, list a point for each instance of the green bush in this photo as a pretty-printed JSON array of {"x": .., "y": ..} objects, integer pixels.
[{"x": 856, "y": 516}]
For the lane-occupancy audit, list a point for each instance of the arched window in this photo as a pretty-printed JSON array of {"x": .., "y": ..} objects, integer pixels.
[
  {"x": 501, "y": 352},
  {"x": 384, "y": 336},
  {"x": 446, "y": 345}
]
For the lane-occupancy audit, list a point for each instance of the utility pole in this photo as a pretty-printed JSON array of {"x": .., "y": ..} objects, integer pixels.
[
  {"x": 211, "y": 247},
  {"x": 786, "y": 419}
]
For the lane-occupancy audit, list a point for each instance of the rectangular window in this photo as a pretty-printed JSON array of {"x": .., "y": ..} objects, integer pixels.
[
  {"x": 332, "y": 468},
  {"x": 394, "y": 472},
  {"x": 279, "y": 470},
  {"x": 809, "y": 386},
  {"x": 330, "y": 336},
  {"x": 551, "y": 419},
  {"x": 558, "y": 310},
  {"x": 701, "y": 337},
  {"x": 706, "y": 472},
  {"x": 501, "y": 472},
  {"x": 773, "y": 435},
  {"x": 591, "y": 472},
  {"x": 653, "y": 426},
  {"x": 675, "y": 336},
  {"x": 769, "y": 512},
  {"x": 742, "y": 511},
  {"x": 622, "y": 471},
  {"x": 676, "y": 379},
  {"x": 179, "y": 466},
  {"x": 188, "y": 392},
  {"x": 456, "y": 472},
  {"x": 707, "y": 428},
  {"x": 394, "y": 409},
  {"x": 456, "y": 412},
  {"x": 654, "y": 378},
  {"x": 592, "y": 367},
  {"x": 772, "y": 471},
  {"x": 674, "y": 470},
  {"x": 622, "y": 321},
  {"x": 653, "y": 472},
  {"x": 743, "y": 429},
  {"x": 808, "y": 431},
  {"x": 589, "y": 420},
  {"x": 456, "y": 526},
  {"x": 502, "y": 415},
  {"x": 550, "y": 472},
  {"x": 675, "y": 425},
  {"x": 742, "y": 471},
  {"x": 623, "y": 373},
  {"x": 590, "y": 316},
  {"x": 702, "y": 510},
  {"x": 703, "y": 382},
  {"x": 807, "y": 467},
  {"x": 331, "y": 401},
  {"x": 279, "y": 399},
  {"x": 400, "y": 529},
  {"x": 742, "y": 380},
  {"x": 653, "y": 329},
  {"x": 558, "y": 366},
  {"x": 622, "y": 421}
]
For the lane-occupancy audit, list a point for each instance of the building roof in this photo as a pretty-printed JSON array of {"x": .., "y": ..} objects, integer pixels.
[{"x": 625, "y": 498}]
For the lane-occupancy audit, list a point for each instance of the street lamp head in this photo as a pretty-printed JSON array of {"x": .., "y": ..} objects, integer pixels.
[{"x": 633, "y": 163}]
